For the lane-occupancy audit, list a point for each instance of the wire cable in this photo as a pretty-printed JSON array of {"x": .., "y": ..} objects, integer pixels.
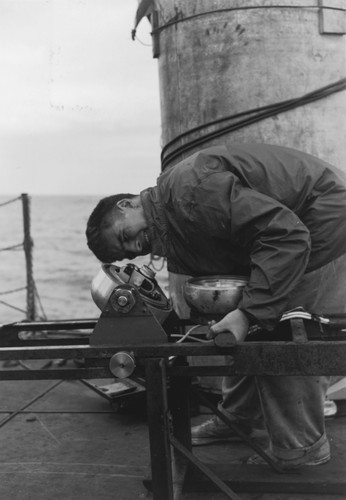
[
  {"x": 176, "y": 19},
  {"x": 12, "y": 307},
  {"x": 13, "y": 290},
  {"x": 18, "y": 246},
  {"x": 43, "y": 313},
  {"x": 9, "y": 201},
  {"x": 187, "y": 333},
  {"x": 261, "y": 114},
  {"x": 331, "y": 87},
  {"x": 135, "y": 37},
  {"x": 21, "y": 246}
]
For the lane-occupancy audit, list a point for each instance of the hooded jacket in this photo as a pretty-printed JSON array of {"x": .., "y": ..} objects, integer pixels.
[{"x": 267, "y": 212}]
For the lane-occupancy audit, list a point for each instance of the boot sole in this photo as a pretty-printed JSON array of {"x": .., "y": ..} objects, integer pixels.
[{"x": 257, "y": 460}]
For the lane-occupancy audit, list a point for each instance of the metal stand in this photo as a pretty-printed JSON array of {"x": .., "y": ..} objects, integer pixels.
[
  {"x": 175, "y": 468},
  {"x": 168, "y": 410}
]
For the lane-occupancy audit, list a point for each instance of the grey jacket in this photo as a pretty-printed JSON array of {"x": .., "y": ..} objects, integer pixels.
[{"x": 268, "y": 212}]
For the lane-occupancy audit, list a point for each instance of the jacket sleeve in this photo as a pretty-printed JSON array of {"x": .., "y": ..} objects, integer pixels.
[{"x": 274, "y": 238}]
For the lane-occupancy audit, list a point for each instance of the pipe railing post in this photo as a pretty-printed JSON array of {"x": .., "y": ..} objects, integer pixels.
[{"x": 28, "y": 246}]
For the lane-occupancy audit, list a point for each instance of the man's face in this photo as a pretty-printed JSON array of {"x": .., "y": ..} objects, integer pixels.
[{"x": 127, "y": 234}]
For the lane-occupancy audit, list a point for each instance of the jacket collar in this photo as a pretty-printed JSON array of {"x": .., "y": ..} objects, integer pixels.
[{"x": 157, "y": 222}]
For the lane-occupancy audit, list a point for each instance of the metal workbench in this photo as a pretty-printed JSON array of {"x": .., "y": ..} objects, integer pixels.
[{"x": 167, "y": 374}]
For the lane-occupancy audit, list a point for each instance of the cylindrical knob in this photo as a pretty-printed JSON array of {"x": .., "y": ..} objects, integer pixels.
[{"x": 122, "y": 364}]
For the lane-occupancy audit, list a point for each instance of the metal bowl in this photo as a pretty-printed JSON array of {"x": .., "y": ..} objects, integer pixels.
[{"x": 214, "y": 295}]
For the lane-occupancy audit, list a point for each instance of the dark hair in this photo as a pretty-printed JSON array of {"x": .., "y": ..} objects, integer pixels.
[{"x": 99, "y": 220}]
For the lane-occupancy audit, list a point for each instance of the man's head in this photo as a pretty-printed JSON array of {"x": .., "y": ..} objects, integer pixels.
[{"x": 117, "y": 228}]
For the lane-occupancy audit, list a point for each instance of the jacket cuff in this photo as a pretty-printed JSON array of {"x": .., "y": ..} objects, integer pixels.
[{"x": 251, "y": 319}]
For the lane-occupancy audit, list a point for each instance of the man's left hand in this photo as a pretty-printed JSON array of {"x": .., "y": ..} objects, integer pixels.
[{"x": 234, "y": 322}]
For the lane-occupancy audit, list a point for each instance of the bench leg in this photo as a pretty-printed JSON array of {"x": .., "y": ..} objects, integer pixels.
[
  {"x": 159, "y": 429},
  {"x": 179, "y": 404}
]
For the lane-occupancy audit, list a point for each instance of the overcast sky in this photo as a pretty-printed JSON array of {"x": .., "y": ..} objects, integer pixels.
[{"x": 79, "y": 100}]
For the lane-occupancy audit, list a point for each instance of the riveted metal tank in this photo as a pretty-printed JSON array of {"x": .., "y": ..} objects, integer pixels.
[{"x": 219, "y": 58}]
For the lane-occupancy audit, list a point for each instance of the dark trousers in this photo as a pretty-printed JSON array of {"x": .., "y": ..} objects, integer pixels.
[{"x": 292, "y": 407}]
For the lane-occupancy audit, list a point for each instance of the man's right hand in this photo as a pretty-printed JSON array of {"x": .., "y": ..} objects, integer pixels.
[{"x": 235, "y": 323}]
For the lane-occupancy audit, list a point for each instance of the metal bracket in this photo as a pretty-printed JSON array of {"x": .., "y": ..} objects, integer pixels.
[
  {"x": 299, "y": 334},
  {"x": 331, "y": 20}
]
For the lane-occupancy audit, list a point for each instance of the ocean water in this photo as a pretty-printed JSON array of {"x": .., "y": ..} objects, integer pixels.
[{"x": 63, "y": 266}]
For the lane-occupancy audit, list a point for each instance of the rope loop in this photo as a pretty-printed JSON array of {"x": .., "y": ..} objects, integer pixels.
[{"x": 156, "y": 258}]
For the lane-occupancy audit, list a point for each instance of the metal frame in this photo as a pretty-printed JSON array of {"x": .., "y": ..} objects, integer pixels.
[
  {"x": 167, "y": 377},
  {"x": 168, "y": 415}
]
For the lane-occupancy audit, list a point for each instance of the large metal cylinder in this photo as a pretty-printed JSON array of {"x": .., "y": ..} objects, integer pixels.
[{"x": 218, "y": 58}]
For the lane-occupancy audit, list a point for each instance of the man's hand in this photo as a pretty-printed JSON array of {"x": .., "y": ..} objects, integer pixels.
[{"x": 234, "y": 322}]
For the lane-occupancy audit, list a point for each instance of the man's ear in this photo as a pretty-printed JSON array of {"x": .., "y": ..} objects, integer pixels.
[{"x": 125, "y": 203}]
